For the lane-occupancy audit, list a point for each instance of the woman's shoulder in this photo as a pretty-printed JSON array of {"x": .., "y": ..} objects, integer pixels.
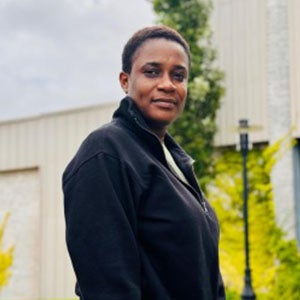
[
  {"x": 111, "y": 139},
  {"x": 106, "y": 137},
  {"x": 103, "y": 139}
]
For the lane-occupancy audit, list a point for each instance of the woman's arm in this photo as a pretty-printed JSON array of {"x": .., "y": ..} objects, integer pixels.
[{"x": 101, "y": 230}]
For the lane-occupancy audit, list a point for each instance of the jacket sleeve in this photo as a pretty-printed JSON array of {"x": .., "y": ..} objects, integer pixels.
[
  {"x": 221, "y": 288},
  {"x": 101, "y": 230}
]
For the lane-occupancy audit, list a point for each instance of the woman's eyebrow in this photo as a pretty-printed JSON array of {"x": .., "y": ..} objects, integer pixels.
[
  {"x": 180, "y": 67},
  {"x": 153, "y": 64},
  {"x": 157, "y": 64}
]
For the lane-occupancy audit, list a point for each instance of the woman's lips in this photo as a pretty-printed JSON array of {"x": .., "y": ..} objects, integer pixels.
[{"x": 165, "y": 103}]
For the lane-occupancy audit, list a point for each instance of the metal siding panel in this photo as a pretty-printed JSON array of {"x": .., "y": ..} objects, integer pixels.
[
  {"x": 3, "y": 148},
  {"x": 12, "y": 138},
  {"x": 240, "y": 39},
  {"x": 18, "y": 143},
  {"x": 294, "y": 38}
]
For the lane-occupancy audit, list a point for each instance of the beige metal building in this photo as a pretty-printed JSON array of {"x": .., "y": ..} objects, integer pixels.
[
  {"x": 34, "y": 153},
  {"x": 257, "y": 41}
]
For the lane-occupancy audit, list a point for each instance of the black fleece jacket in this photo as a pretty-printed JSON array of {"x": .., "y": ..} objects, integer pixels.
[{"x": 134, "y": 230}]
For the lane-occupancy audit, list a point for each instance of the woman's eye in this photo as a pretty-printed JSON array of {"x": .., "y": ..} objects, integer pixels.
[
  {"x": 179, "y": 76},
  {"x": 151, "y": 73}
]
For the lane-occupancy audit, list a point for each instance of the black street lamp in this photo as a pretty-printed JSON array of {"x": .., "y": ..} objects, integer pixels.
[{"x": 247, "y": 293}]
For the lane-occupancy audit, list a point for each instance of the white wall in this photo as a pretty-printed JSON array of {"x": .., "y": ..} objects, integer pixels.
[{"x": 20, "y": 195}]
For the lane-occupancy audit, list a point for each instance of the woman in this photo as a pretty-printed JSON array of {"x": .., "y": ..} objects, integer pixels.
[{"x": 137, "y": 224}]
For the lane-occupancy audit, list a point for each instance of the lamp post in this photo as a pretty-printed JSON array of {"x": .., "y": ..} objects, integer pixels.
[{"x": 247, "y": 293}]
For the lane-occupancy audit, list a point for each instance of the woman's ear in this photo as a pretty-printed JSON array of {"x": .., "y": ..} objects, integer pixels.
[{"x": 123, "y": 78}]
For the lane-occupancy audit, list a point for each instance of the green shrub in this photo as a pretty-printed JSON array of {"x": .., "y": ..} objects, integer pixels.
[
  {"x": 275, "y": 261},
  {"x": 6, "y": 256}
]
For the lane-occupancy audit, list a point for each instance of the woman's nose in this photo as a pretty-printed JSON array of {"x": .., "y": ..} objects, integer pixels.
[{"x": 166, "y": 84}]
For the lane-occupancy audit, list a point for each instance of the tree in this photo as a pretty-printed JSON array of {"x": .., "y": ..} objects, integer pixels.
[
  {"x": 6, "y": 256},
  {"x": 196, "y": 128},
  {"x": 275, "y": 261}
]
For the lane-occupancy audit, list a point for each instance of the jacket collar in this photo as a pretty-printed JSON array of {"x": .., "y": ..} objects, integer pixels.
[{"x": 129, "y": 112}]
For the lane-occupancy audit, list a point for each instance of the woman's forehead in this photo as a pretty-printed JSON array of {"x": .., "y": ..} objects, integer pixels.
[{"x": 161, "y": 50}]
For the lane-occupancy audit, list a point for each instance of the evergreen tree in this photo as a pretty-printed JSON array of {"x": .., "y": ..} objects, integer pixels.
[{"x": 196, "y": 128}]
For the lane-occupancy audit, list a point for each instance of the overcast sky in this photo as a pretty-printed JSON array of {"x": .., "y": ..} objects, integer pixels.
[{"x": 59, "y": 54}]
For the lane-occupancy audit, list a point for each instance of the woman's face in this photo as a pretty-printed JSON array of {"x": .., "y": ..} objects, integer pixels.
[{"x": 158, "y": 81}]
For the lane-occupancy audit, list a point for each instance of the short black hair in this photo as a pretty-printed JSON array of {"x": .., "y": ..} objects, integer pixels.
[{"x": 151, "y": 32}]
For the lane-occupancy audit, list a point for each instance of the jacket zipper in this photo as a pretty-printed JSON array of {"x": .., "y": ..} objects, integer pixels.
[{"x": 200, "y": 199}]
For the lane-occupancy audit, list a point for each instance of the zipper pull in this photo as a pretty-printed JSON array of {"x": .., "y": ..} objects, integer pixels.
[{"x": 204, "y": 206}]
